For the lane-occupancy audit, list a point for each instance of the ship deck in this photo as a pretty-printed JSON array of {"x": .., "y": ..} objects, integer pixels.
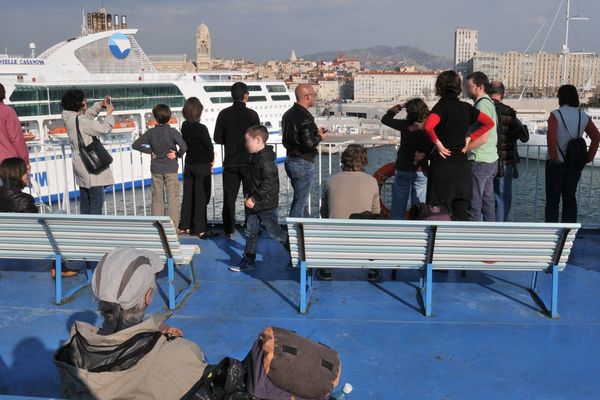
[{"x": 487, "y": 338}]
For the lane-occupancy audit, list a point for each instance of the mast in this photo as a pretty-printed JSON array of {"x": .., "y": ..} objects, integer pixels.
[{"x": 565, "y": 49}]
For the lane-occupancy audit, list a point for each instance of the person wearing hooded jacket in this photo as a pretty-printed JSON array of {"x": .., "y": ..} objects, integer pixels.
[{"x": 262, "y": 198}]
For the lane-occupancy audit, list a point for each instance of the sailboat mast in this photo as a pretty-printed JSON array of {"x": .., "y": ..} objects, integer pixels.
[{"x": 565, "y": 74}]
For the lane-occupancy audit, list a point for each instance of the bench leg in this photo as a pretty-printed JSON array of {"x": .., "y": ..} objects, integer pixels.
[
  {"x": 428, "y": 290},
  {"x": 305, "y": 290},
  {"x": 171, "y": 278},
  {"x": 425, "y": 286},
  {"x": 58, "y": 280},
  {"x": 554, "y": 303}
]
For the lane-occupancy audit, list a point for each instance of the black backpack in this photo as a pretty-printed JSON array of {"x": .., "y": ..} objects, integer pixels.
[{"x": 576, "y": 155}]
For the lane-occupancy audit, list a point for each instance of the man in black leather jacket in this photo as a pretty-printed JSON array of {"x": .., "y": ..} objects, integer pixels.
[{"x": 301, "y": 138}]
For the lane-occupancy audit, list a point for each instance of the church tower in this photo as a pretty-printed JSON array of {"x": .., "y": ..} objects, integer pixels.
[{"x": 203, "y": 48}]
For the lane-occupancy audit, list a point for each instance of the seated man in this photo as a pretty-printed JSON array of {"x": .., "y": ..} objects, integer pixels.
[
  {"x": 349, "y": 192},
  {"x": 128, "y": 357}
]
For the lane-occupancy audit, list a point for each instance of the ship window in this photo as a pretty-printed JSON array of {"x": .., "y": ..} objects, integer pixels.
[
  {"x": 280, "y": 97},
  {"x": 276, "y": 88},
  {"x": 124, "y": 97},
  {"x": 256, "y": 98},
  {"x": 221, "y": 100},
  {"x": 220, "y": 88}
]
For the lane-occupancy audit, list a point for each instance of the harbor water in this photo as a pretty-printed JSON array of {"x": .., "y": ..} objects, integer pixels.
[{"x": 528, "y": 189}]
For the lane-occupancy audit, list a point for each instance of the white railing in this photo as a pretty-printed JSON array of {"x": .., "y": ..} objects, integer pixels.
[{"x": 53, "y": 182}]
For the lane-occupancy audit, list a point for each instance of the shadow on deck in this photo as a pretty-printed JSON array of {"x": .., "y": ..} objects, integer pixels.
[{"x": 487, "y": 338}]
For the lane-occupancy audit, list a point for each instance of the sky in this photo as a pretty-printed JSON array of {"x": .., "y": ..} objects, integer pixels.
[{"x": 270, "y": 29}]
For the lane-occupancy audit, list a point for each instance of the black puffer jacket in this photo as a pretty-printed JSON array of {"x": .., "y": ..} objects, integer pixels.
[
  {"x": 300, "y": 133},
  {"x": 13, "y": 199},
  {"x": 262, "y": 180}
]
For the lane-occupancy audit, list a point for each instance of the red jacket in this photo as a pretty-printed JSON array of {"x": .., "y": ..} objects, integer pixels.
[{"x": 12, "y": 142}]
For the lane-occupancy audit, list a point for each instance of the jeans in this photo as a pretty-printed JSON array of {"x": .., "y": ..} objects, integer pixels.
[
  {"x": 232, "y": 178},
  {"x": 270, "y": 221},
  {"x": 168, "y": 183},
  {"x": 301, "y": 173},
  {"x": 407, "y": 184},
  {"x": 503, "y": 192},
  {"x": 482, "y": 203},
  {"x": 561, "y": 181},
  {"x": 91, "y": 200},
  {"x": 196, "y": 195}
]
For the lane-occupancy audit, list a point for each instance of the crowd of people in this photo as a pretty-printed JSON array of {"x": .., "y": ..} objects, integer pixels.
[{"x": 460, "y": 155}]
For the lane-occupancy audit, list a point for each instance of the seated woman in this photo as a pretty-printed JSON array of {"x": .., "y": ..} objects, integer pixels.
[
  {"x": 351, "y": 191},
  {"x": 14, "y": 177}
]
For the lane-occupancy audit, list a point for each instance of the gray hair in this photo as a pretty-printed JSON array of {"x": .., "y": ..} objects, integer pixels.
[{"x": 116, "y": 319}]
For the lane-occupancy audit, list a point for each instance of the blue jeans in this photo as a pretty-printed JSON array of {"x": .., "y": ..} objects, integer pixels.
[
  {"x": 483, "y": 204},
  {"x": 407, "y": 184},
  {"x": 302, "y": 175},
  {"x": 91, "y": 200},
  {"x": 503, "y": 192},
  {"x": 269, "y": 219}
]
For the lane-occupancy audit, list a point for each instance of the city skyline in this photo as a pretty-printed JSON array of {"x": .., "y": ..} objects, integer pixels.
[{"x": 359, "y": 25}]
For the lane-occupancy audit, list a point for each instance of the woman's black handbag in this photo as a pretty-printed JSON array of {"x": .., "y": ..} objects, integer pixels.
[{"x": 94, "y": 156}]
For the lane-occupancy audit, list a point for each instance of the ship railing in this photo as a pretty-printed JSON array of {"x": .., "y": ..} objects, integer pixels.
[{"x": 132, "y": 196}]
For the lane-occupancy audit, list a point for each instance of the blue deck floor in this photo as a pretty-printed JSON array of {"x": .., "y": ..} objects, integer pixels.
[{"x": 487, "y": 338}]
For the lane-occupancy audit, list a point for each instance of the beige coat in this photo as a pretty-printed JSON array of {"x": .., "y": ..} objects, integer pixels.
[
  {"x": 168, "y": 371},
  {"x": 89, "y": 127}
]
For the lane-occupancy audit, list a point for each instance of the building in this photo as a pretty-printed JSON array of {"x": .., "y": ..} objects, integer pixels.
[
  {"x": 203, "y": 48},
  {"x": 465, "y": 47},
  {"x": 538, "y": 74},
  {"x": 172, "y": 63},
  {"x": 329, "y": 90},
  {"x": 391, "y": 86}
]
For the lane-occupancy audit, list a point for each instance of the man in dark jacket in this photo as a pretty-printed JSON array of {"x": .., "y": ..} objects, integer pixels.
[
  {"x": 301, "y": 138},
  {"x": 510, "y": 129},
  {"x": 262, "y": 197},
  {"x": 231, "y": 125}
]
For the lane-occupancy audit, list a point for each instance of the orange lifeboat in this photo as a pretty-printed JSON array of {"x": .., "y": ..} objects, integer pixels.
[
  {"x": 59, "y": 132},
  {"x": 172, "y": 122},
  {"x": 125, "y": 126}
]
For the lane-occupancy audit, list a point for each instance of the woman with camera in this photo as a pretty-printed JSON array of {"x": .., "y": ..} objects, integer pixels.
[{"x": 83, "y": 130}]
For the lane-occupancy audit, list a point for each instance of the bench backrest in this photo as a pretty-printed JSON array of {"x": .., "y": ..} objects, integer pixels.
[
  {"x": 447, "y": 245},
  {"x": 83, "y": 237}
]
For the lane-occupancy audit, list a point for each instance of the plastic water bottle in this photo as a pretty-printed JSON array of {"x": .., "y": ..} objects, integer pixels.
[{"x": 343, "y": 393}]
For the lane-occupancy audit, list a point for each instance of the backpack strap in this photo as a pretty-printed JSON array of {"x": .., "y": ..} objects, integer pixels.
[{"x": 569, "y": 133}]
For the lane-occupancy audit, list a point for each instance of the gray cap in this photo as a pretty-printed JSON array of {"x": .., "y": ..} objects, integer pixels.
[{"x": 124, "y": 275}]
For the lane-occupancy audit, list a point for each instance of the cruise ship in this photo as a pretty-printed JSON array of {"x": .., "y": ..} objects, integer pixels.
[{"x": 112, "y": 63}]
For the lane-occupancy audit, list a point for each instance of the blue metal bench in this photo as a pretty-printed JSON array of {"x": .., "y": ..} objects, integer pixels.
[
  {"x": 427, "y": 246},
  {"x": 62, "y": 238}
]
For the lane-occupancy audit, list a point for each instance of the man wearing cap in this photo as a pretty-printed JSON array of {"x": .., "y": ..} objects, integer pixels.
[{"x": 127, "y": 357}]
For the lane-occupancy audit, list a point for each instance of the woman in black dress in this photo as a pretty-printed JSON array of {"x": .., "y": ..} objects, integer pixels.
[
  {"x": 450, "y": 178},
  {"x": 197, "y": 173}
]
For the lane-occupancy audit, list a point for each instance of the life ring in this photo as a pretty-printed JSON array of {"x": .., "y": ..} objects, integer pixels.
[{"x": 384, "y": 172}]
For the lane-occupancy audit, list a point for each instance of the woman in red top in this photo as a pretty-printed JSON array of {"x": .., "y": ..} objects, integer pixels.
[{"x": 450, "y": 177}]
